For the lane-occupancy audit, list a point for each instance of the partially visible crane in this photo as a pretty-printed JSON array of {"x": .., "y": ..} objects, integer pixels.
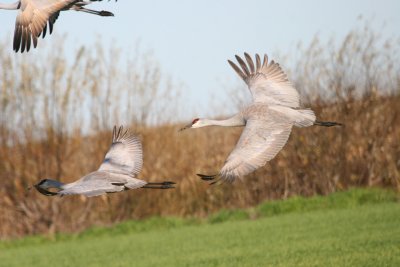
[
  {"x": 268, "y": 120},
  {"x": 34, "y": 15},
  {"x": 118, "y": 172}
]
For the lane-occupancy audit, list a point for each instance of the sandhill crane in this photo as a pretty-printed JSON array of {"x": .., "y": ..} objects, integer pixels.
[
  {"x": 122, "y": 163},
  {"x": 34, "y": 15},
  {"x": 268, "y": 120}
]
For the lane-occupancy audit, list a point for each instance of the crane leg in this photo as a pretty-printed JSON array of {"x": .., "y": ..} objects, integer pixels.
[
  {"x": 327, "y": 123},
  {"x": 161, "y": 185},
  {"x": 207, "y": 177},
  {"x": 95, "y": 12},
  {"x": 212, "y": 178}
]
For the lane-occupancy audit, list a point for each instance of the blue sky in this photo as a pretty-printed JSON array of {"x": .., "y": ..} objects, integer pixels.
[{"x": 193, "y": 39}]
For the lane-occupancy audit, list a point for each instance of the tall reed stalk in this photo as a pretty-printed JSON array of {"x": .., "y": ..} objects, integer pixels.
[{"x": 56, "y": 115}]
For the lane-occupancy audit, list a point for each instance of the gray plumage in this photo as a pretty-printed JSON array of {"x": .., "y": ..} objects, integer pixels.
[
  {"x": 268, "y": 120},
  {"x": 118, "y": 172},
  {"x": 34, "y": 15}
]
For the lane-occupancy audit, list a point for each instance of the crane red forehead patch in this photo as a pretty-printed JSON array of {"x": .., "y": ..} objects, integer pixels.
[{"x": 195, "y": 120}]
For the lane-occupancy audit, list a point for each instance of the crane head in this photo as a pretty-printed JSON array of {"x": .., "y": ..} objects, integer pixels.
[
  {"x": 44, "y": 185},
  {"x": 193, "y": 124}
]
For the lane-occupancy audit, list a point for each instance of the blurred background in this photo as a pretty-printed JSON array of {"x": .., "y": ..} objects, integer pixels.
[{"x": 157, "y": 65}]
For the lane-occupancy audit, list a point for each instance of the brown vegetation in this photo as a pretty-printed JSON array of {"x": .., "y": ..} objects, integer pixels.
[{"x": 56, "y": 118}]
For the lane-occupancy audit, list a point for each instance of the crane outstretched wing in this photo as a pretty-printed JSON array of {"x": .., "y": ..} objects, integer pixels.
[
  {"x": 125, "y": 155},
  {"x": 259, "y": 142},
  {"x": 267, "y": 82},
  {"x": 32, "y": 20}
]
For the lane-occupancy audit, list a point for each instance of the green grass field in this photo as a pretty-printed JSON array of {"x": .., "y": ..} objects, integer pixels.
[{"x": 355, "y": 228}]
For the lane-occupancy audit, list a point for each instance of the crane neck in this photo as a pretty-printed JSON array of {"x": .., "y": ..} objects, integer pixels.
[
  {"x": 231, "y": 122},
  {"x": 12, "y": 6}
]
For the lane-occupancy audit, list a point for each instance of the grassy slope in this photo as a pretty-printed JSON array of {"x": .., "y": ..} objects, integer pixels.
[{"x": 351, "y": 235}]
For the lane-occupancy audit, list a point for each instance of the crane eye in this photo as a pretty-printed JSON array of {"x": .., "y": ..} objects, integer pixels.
[{"x": 195, "y": 120}]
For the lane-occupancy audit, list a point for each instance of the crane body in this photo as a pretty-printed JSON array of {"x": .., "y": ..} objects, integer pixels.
[
  {"x": 118, "y": 172},
  {"x": 267, "y": 121}
]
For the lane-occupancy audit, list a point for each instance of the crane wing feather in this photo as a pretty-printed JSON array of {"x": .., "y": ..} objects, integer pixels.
[
  {"x": 260, "y": 141},
  {"x": 91, "y": 188},
  {"x": 267, "y": 81},
  {"x": 32, "y": 21},
  {"x": 125, "y": 154}
]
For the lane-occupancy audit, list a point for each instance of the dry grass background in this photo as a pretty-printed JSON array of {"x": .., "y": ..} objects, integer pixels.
[{"x": 56, "y": 119}]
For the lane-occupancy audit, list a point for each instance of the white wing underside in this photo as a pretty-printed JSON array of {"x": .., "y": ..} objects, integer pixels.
[
  {"x": 125, "y": 155},
  {"x": 260, "y": 141},
  {"x": 267, "y": 83}
]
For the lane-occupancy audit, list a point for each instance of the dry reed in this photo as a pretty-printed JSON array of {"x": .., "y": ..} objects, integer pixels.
[{"x": 56, "y": 118}]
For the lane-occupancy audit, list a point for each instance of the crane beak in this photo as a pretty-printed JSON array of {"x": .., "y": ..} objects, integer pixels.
[{"x": 185, "y": 127}]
